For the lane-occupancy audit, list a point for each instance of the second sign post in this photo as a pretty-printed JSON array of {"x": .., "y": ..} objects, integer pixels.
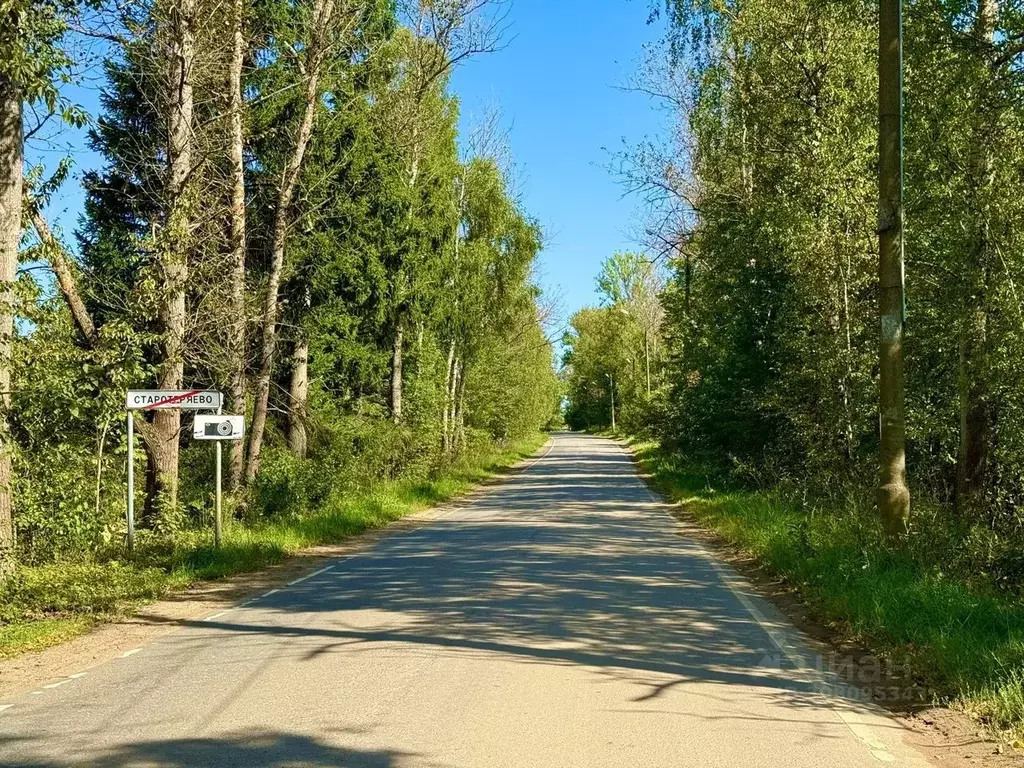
[{"x": 206, "y": 427}]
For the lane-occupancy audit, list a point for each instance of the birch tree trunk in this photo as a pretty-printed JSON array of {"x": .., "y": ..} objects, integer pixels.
[
  {"x": 237, "y": 235},
  {"x": 460, "y": 410},
  {"x": 298, "y": 396},
  {"x": 975, "y": 407},
  {"x": 322, "y": 12},
  {"x": 446, "y": 422},
  {"x": 893, "y": 494},
  {"x": 11, "y": 150},
  {"x": 647, "y": 359},
  {"x": 396, "y": 373}
]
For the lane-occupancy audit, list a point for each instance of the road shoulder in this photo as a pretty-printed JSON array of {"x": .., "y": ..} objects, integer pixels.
[
  {"x": 945, "y": 737},
  {"x": 124, "y": 636}
]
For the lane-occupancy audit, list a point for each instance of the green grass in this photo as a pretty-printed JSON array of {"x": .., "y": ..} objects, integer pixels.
[
  {"x": 964, "y": 638},
  {"x": 25, "y": 636},
  {"x": 46, "y": 605}
]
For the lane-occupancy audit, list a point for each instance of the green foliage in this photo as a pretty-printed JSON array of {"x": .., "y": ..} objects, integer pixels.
[
  {"x": 617, "y": 347},
  {"x": 31, "y": 56},
  {"x": 389, "y": 228},
  {"x": 766, "y": 198}
]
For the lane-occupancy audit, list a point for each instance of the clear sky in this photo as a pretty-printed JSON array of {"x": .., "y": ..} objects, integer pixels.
[{"x": 557, "y": 84}]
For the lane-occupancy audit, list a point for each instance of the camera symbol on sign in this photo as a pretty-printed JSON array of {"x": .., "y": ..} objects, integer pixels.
[{"x": 218, "y": 429}]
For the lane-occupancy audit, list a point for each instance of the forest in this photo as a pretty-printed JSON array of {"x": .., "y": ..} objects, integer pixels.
[
  {"x": 286, "y": 213},
  {"x": 744, "y": 340}
]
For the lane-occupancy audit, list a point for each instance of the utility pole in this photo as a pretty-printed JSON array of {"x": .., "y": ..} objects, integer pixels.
[
  {"x": 893, "y": 493},
  {"x": 611, "y": 388}
]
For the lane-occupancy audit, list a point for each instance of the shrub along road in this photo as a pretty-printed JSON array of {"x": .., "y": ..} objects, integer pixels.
[{"x": 556, "y": 621}]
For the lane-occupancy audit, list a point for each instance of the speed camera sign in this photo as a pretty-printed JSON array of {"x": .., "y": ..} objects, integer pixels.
[{"x": 218, "y": 428}]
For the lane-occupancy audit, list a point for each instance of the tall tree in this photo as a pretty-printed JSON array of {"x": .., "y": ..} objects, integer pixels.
[
  {"x": 322, "y": 28},
  {"x": 444, "y": 36},
  {"x": 893, "y": 493},
  {"x": 237, "y": 238},
  {"x": 30, "y": 58},
  {"x": 176, "y": 40},
  {"x": 11, "y": 154}
]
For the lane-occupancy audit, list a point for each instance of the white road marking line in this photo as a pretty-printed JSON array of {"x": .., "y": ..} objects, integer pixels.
[
  {"x": 35, "y": 693},
  {"x": 132, "y": 652},
  {"x": 780, "y": 639},
  {"x": 310, "y": 576},
  {"x": 216, "y": 615},
  {"x": 268, "y": 594},
  {"x": 57, "y": 684},
  {"x": 78, "y": 675},
  {"x": 5, "y": 706}
]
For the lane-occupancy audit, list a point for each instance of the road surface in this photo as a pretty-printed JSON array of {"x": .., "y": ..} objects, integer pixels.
[{"x": 558, "y": 621}]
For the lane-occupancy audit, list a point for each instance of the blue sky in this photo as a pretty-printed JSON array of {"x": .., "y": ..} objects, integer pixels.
[{"x": 557, "y": 85}]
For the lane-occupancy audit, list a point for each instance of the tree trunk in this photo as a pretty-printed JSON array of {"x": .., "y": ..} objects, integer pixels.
[
  {"x": 11, "y": 149},
  {"x": 647, "y": 360},
  {"x": 893, "y": 493},
  {"x": 162, "y": 436},
  {"x": 446, "y": 421},
  {"x": 975, "y": 407},
  {"x": 60, "y": 262},
  {"x": 396, "y": 374},
  {"x": 846, "y": 384},
  {"x": 237, "y": 235},
  {"x": 298, "y": 400},
  {"x": 322, "y": 11},
  {"x": 453, "y": 399},
  {"x": 460, "y": 412}
]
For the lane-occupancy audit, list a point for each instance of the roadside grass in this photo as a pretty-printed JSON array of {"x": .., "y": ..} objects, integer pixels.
[
  {"x": 46, "y": 605},
  {"x": 959, "y": 636}
]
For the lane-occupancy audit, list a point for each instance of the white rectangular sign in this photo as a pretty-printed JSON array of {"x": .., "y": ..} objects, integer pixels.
[
  {"x": 218, "y": 428},
  {"x": 174, "y": 399}
]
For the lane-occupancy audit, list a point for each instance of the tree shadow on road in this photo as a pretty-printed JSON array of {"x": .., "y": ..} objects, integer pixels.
[
  {"x": 569, "y": 563},
  {"x": 244, "y": 750}
]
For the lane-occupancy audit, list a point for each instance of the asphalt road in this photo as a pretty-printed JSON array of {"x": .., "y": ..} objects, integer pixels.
[{"x": 559, "y": 621}]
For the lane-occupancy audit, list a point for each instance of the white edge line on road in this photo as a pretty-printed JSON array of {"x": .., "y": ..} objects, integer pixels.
[
  {"x": 781, "y": 639},
  {"x": 78, "y": 675},
  {"x": 132, "y": 652},
  {"x": 5, "y": 707},
  {"x": 268, "y": 594},
  {"x": 217, "y": 615},
  {"x": 310, "y": 576},
  {"x": 57, "y": 684}
]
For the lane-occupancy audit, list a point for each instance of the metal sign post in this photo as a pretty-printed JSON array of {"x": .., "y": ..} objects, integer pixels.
[
  {"x": 131, "y": 481},
  {"x": 218, "y": 428},
  {"x": 216, "y": 504},
  {"x": 161, "y": 399}
]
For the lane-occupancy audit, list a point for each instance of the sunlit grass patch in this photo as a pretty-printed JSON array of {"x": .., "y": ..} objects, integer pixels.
[{"x": 23, "y": 636}]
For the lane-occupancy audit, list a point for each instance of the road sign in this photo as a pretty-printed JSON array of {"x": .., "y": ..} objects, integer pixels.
[
  {"x": 173, "y": 399},
  {"x": 218, "y": 428},
  {"x": 160, "y": 399}
]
